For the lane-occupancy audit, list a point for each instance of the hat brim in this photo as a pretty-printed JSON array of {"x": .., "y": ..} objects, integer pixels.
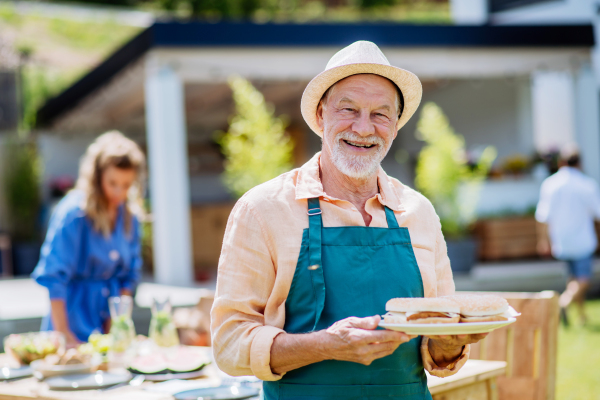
[{"x": 406, "y": 81}]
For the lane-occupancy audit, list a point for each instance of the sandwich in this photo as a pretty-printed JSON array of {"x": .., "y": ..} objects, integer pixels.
[
  {"x": 483, "y": 308},
  {"x": 434, "y": 310}
]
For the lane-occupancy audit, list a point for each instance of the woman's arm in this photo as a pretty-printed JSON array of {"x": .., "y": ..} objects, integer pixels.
[{"x": 58, "y": 313}]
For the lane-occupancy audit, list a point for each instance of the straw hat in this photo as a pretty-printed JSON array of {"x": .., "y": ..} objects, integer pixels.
[{"x": 360, "y": 57}]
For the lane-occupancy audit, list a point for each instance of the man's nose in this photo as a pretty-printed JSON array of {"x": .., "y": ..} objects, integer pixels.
[{"x": 363, "y": 125}]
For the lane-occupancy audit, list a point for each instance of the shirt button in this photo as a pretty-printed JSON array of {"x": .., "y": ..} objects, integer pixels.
[{"x": 113, "y": 255}]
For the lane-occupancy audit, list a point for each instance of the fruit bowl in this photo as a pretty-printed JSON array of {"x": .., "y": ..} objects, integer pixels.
[{"x": 28, "y": 347}]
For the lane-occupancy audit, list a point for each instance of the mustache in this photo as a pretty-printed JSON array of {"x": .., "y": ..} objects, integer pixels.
[{"x": 353, "y": 137}]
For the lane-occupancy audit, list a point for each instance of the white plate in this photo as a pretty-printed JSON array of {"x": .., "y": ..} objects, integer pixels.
[
  {"x": 447, "y": 329},
  {"x": 98, "y": 380},
  {"x": 43, "y": 370},
  {"x": 7, "y": 373},
  {"x": 173, "y": 375}
]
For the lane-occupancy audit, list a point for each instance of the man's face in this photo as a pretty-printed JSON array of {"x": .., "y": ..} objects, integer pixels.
[{"x": 358, "y": 119}]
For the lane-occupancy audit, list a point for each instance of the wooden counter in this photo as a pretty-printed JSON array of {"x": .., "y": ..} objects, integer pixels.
[{"x": 475, "y": 381}]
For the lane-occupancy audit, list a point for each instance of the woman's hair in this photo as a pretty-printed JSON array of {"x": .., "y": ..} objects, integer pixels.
[{"x": 111, "y": 149}]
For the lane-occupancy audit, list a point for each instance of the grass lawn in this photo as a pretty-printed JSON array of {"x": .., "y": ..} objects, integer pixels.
[{"x": 578, "y": 377}]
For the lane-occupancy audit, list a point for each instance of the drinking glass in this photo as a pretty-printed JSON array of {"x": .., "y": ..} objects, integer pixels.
[
  {"x": 122, "y": 329},
  {"x": 162, "y": 328}
]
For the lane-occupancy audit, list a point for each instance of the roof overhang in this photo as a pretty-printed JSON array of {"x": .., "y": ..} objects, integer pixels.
[{"x": 204, "y": 55}]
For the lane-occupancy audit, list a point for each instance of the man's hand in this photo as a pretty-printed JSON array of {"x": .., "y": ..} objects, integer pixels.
[
  {"x": 354, "y": 339},
  {"x": 445, "y": 349},
  {"x": 351, "y": 339}
]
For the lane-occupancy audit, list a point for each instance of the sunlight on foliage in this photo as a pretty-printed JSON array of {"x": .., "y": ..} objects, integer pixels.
[
  {"x": 22, "y": 177},
  {"x": 444, "y": 174},
  {"x": 255, "y": 146}
]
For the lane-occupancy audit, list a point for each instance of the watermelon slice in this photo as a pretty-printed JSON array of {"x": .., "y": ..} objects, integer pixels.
[
  {"x": 150, "y": 364},
  {"x": 187, "y": 359}
]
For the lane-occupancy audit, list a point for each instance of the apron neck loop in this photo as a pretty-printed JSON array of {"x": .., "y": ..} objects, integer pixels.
[
  {"x": 315, "y": 225},
  {"x": 391, "y": 218}
]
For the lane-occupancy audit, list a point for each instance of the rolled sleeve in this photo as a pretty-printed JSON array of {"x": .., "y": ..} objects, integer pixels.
[
  {"x": 442, "y": 372},
  {"x": 260, "y": 353},
  {"x": 59, "y": 253},
  {"x": 246, "y": 277}
]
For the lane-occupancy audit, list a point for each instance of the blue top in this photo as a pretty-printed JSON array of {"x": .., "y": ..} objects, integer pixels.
[{"x": 83, "y": 267}]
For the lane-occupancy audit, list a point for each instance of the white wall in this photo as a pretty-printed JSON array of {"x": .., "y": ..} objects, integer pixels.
[
  {"x": 61, "y": 155},
  {"x": 488, "y": 112},
  {"x": 553, "y": 109},
  {"x": 483, "y": 111},
  {"x": 469, "y": 12}
]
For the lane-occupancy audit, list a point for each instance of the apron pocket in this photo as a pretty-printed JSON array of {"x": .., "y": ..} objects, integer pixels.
[{"x": 408, "y": 391}]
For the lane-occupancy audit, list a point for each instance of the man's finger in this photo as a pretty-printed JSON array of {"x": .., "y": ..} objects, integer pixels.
[
  {"x": 369, "y": 323},
  {"x": 382, "y": 347},
  {"x": 383, "y": 336}
]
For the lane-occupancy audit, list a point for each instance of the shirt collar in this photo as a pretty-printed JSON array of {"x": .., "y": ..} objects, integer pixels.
[{"x": 308, "y": 185}]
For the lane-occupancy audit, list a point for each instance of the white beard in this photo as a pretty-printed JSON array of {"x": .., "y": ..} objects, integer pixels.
[{"x": 355, "y": 166}]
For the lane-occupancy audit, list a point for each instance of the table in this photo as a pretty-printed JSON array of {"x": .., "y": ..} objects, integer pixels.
[{"x": 475, "y": 381}]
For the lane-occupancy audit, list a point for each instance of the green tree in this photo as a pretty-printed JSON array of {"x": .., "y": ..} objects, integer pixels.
[
  {"x": 22, "y": 176},
  {"x": 444, "y": 174},
  {"x": 375, "y": 3},
  {"x": 255, "y": 146}
]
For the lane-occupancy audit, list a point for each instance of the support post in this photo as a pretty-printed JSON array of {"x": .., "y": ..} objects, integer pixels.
[
  {"x": 169, "y": 176},
  {"x": 587, "y": 106},
  {"x": 553, "y": 109}
]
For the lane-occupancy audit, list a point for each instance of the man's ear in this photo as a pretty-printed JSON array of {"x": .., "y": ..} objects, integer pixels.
[{"x": 320, "y": 122}]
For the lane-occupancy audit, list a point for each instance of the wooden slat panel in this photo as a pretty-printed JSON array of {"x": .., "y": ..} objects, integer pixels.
[
  {"x": 523, "y": 358},
  {"x": 496, "y": 345},
  {"x": 506, "y": 238},
  {"x": 539, "y": 314},
  {"x": 515, "y": 388},
  {"x": 475, "y": 391}
]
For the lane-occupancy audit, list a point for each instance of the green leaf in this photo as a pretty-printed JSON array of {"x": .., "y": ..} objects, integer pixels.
[
  {"x": 443, "y": 173},
  {"x": 256, "y": 146}
]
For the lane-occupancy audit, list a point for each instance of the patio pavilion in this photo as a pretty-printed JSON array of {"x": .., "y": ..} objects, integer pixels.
[{"x": 519, "y": 88}]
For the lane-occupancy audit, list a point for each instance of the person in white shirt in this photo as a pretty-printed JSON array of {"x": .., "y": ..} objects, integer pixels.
[{"x": 569, "y": 203}]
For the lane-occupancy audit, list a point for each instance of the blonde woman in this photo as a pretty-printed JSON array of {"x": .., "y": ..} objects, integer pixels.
[{"x": 92, "y": 248}]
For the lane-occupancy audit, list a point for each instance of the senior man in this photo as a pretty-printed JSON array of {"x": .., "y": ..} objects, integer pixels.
[{"x": 310, "y": 258}]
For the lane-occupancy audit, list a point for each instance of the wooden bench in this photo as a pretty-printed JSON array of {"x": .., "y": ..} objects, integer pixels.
[
  {"x": 528, "y": 346},
  {"x": 476, "y": 380}
]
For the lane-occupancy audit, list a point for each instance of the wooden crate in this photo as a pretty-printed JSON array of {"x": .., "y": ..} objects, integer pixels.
[
  {"x": 208, "y": 229},
  {"x": 528, "y": 346},
  {"x": 505, "y": 238}
]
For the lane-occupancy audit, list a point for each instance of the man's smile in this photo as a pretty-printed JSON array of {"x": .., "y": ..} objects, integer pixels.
[{"x": 359, "y": 145}]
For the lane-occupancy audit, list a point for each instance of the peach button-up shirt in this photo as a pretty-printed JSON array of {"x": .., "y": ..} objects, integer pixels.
[{"x": 260, "y": 252}]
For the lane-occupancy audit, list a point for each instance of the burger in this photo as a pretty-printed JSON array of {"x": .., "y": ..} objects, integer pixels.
[
  {"x": 482, "y": 308},
  {"x": 416, "y": 310}
]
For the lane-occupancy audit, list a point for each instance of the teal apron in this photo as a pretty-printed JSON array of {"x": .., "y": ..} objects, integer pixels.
[{"x": 344, "y": 272}]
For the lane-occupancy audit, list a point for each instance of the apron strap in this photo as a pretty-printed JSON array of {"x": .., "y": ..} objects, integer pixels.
[
  {"x": 391, "y": 218},
  {"x": 315, "y": 225}
]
